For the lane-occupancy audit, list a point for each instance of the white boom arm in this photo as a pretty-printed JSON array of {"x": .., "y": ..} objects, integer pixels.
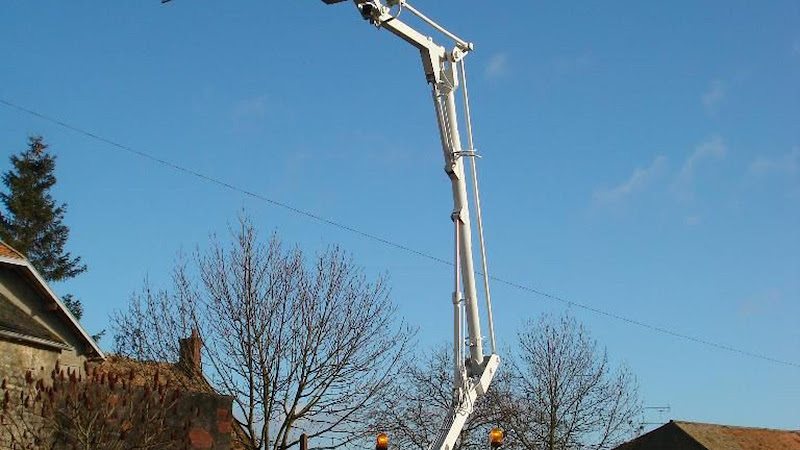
[{"x": 472, "y": 375}]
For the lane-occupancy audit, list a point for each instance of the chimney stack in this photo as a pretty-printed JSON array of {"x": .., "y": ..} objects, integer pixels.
[{"x": 189, "y": 357}]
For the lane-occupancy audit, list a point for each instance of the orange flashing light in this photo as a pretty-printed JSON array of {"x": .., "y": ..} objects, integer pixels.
[
  {"x": 496, "y": 437},
  {"x": 382, "y": 443}
]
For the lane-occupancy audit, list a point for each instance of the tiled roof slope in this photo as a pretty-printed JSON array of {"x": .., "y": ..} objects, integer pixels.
[
  {"x": 8, "y": 252},
  {"x": 144, "y": 371},
  {"x": 16, "y": 320},
  {"x": 719, "y": 437}
]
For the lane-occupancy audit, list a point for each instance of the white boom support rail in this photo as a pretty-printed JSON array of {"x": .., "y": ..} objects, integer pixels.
[{"x": 472, "y": 376}]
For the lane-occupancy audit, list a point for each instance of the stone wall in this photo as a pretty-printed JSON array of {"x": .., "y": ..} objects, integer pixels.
[
  {"x": 16, "y": 359},
  {"x": 201, "y": 421},
  {"x": 19, "y": 359}
]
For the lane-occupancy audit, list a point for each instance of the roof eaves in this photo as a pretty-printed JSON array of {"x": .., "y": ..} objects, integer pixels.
[
  {"x": 13, "y": 335},
  {"x": 27, "y": 265}
]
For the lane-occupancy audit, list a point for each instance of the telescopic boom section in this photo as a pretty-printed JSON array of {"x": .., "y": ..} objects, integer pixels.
[{"x": 472, "y": 375}]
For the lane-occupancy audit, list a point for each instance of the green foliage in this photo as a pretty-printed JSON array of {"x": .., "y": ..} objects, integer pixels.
[
  {"x": 98, "y": 336},
  {"x": 32, "y": 221},
  {"x": 74, "y": 305}
]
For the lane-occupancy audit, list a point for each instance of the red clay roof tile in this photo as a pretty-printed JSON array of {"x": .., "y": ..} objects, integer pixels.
[{"x": 9, "y": 252}]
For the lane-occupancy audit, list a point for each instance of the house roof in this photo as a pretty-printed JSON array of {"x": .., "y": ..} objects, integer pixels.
[
  {"x": 680, "y": 435},
  {"x": 8, "y": 252},
  {"x": 144, "y": 371},
  {"x": 728, "y": 437},
  {"x": 11, "y": 257}
]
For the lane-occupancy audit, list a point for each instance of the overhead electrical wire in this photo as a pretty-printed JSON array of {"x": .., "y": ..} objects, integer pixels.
[{"x": 387, "y": 242}]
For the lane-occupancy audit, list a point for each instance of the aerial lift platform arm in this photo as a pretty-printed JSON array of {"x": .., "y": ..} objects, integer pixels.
[{"x": 444, "y": 71}]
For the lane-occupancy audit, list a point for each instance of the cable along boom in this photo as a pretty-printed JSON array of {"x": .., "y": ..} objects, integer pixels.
[{"x": 444, "y": 71}]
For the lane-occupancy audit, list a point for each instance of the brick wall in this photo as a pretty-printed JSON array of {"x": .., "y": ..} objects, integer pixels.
[{"x": 210, "y": 421}]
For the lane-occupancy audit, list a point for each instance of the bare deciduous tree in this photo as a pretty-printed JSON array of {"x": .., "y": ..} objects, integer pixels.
[
  {"x": 568, "y": 395},
  {"x": 560, "y": 393},
  {"x": 301, "y": 347},
  {"x": 419, "y": 407}
]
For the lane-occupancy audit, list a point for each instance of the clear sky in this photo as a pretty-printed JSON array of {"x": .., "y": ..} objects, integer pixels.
[{"x": 641, "y": 158}]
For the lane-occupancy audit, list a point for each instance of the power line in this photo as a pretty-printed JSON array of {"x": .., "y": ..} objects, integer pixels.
[
  {"x": 396, "y": 245},
  {"x": 645, "y": 325},
  {"x": 220, "y": 182}
]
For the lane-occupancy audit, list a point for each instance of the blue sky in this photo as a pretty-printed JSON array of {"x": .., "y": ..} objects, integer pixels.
[{"x": 642, "y": 159}]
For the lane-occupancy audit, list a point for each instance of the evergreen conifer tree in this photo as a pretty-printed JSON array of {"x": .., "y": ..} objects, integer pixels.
[{"x": 31, "y": 220}]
